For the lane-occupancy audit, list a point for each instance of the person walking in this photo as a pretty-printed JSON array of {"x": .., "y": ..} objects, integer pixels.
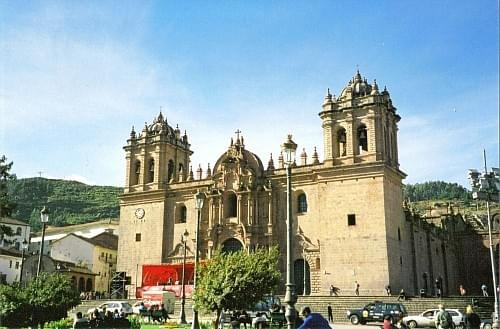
[
  {"x": 388, "y": 290},
  {"x": 356, "y": 288},
  {"x": 330, "y": 313},
  {"x": 472, "y": 320},
  {"x": 461, "y": 290},
  {"x": 313, "y": 320},
  {"x": 443, "y": 318},
  {"x": 484, "y": 289},
  {"x": 402, "y": 295}
]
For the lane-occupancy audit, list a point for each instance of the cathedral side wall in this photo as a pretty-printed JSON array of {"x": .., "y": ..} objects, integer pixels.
[
  {"x": 348, "y": 252},
  {"x": 399, "y": 251}
]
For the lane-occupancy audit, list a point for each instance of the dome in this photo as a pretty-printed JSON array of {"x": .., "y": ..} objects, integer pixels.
[
  {"x": 357, "y": 87},
  {"x": 237, "y": 154}
]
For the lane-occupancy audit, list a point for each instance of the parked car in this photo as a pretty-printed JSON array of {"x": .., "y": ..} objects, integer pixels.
[
  {"x": 376, "y": 312},
  {"x": 428, "y": 319},
  {"x": 121, "y": 306},
  {"x": 486, "y": 324}
]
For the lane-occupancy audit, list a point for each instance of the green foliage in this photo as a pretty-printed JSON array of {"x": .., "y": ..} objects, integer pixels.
[
  {"x": 236, "y": 280},
  {"x": 14, "y": 310},
  {"x": 70, "y": 202},
  {"x": 135, "y": 322},
  {"x": 7, "y": 205},
  {"x": 46, "y": 298},
  {"x": 65, "y": 323},
  {"x": 436, "y": 191},
  {"x": 50, "y": 297}
]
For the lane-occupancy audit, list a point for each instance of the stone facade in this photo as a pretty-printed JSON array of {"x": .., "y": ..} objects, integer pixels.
[{"x": 348, "y": 214}]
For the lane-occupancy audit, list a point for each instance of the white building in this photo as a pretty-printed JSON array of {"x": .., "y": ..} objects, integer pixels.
[
  {"x": 21, "y": 232},
  {"x": 10, "y": 265},
  {"x": 87, "y": 230}
]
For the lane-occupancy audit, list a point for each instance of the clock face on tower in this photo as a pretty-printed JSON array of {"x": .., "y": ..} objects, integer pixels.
[{"x": 139, "y": 213}]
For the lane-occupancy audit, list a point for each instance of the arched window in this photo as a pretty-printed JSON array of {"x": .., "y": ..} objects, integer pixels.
[
  {"x": 151, "y": 170},
  {"x": 181, "y": 215},
  {"x": 89, "y": 285},
  {"x": 302, "y": 203},
  {"x": 362, "y": 139},
  {"x": 81, "y": 284},
  {"x": 181, "y": 167},
  {"x": 342, "y": 142},
  {"x": 170, "y": 170},
  {"x": 230, "y": 205},
  {"x": 137, "y": 172},
  {"x": 19, "y": 231}
]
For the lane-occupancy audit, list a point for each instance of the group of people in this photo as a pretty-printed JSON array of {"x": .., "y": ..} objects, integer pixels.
[
  {"x": 156, "y": 313},
  {"x": 91, "y": 295},
  {"x": 445, "y": 321},
  {"x": 98, "y": 320}
]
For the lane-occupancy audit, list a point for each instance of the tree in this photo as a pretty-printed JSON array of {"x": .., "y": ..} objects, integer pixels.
[
  {"x": 6, "y": 204},
  {"x": 13, "y": 309},
  {"x": 50, "y": 296},
  {"x": 236, "y": 280}
]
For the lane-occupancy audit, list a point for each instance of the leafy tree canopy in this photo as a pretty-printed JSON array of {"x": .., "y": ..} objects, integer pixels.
[
  {"x": 236, "y": 280},
  {"x": 69, "y": 202},
  {"x": 436, "y": 191},
  {"x": 46, "y": 298},
  {"x": 7, "y": 205}
]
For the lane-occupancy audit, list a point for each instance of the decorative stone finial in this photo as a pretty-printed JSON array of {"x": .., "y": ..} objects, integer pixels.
[
  {"x": 132, "y": 133},
  {"x": 199, "y": 172},
  {"x": 209, "y": 172},
  {"x": 270, "y": 164},
  {"x": 315, "y": 157},
  {"x": 281, "y": 162},
  {"x": 191, "y": 176},
  {"x": 303, "y": 157}
]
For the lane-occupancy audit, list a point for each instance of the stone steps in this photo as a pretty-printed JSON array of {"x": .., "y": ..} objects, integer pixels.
[{"x": 340, "y": 305}]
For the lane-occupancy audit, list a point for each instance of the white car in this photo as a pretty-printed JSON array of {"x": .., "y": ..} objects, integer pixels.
[
  {"x": 120, "y": 306},
  {"x": 428, "y": 319}
]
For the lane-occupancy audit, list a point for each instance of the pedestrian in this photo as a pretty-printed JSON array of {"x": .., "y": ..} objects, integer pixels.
[
  {"x": 472, "y": 320},
  {"x": 330, "y": 313},
  {"x": 388, "y": 290},
  {"x": 402, "y": 295},
  {"x": 356, "y": 288},
  {"x": 387, "y": 322},
  {"x": 484, "y": 289},
  {"x": 443, "y": 318},
  {"x": 313, "y": 320},
  {"x": 461, "y": 290},
  {"x": 332, "y": 290}
]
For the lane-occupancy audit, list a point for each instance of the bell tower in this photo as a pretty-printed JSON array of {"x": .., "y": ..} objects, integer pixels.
[
  {"x": 360, "y": 125},
  {"x": 159, "y": 155}
]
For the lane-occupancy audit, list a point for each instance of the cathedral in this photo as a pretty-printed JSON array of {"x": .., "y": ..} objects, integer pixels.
[{"x": 349, "y": 222}]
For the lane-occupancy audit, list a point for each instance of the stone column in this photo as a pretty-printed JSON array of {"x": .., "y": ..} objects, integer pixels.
[
  {"x": 249, "y": 208},
  {"x": 238, "y": 208},
  {"x": 210, "y": 212},
  {"x": 270, "y": 210},
  {"x": 220, "y": 209}
]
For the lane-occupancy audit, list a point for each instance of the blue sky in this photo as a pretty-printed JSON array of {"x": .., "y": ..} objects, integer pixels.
[{"x": 75, "y": 76}]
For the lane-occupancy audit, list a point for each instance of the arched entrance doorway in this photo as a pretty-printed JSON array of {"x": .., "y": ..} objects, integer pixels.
[
  {"x": 232, "y": 245},
  {"x": 300, "y": 267}
]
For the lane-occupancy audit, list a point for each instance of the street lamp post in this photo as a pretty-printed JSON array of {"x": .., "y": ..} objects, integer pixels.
[
  {"x": 289, "y": 148},
  {"x": 184, "y": 238},
  {"x": 305, "y": 270},
  {"x": 44, "y": 217},
  {"x": 199, "y": 199},
  {"x": 484, "y": 187},
  {"x": 24, "y": 247}
]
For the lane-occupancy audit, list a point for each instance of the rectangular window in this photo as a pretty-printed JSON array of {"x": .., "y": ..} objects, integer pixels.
[
  {"x": 17, "y": 265},
  {"x": 351, "y": 219},
  {"x": 10, "y": 264},
  {"x": 138, "y": 237}
]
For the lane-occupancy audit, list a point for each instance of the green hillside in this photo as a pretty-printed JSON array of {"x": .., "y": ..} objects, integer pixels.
[{"x": 70, "y": 202}]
